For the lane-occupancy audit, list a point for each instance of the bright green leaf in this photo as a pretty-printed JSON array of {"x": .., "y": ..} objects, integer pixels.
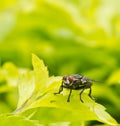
[
  {"x": 10, "y": 120},
  {"x": 103, "y": 115},
  {"x": 43, "y": 96},
  {"x": 41, "y": 73},
  {"x": 26, "y": 87},
  {"x": 31, "y": 83},
  {"x": 91, "y": 110},
  {"x": 54, "y": 115}
]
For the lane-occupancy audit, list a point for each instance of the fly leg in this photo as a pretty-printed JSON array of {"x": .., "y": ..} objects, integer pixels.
[
  {"x": 68, "y": 100},
  {"x": 90, "y": 91},
  {"x": 60, "y": 90},
  {"x": 81, "y": 95}
]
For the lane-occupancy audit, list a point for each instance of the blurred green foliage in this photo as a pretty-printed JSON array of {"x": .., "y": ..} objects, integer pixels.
[{"x": 71, "y": 36}]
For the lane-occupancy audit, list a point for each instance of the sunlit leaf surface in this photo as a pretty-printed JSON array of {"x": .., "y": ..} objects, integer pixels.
[
  {"x": 41, "y": 73},
  {"x": 26, "y": 87},
  {"x": 10, "y": 120}
]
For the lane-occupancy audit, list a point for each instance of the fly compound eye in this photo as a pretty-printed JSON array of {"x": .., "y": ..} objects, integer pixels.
[{"x": 70, "y": 78}]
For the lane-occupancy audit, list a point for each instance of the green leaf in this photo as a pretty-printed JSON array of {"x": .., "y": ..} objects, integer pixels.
[
  {"x": 42, "y": 95},
  {"x": 31, "y": 83},
  {"x": 10, "y": 120},
  {"x": 103, "y": 116},
  {"x": 90, "y": 109},
  {"x": 26, "y": 87},
  {"x": 54, "y": 115},
  {"x": 41, "y": 73}
]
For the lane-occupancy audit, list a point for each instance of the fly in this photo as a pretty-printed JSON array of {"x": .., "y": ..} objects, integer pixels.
[{"x": 76, "y": 82}]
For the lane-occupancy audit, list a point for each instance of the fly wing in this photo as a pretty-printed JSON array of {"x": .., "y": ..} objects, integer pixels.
[
  {"x": 98, "y": 81},
  {"x": 77, "y": 80},
  {"x": 77, "y": 76}
]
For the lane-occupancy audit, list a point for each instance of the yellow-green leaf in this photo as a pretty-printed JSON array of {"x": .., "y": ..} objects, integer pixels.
[
  {"x": 26, "y": 88},
  {"x": 91, "y": 109},
  {"x": 41, "y": 73},
  {"x": 43, "y": 96}
]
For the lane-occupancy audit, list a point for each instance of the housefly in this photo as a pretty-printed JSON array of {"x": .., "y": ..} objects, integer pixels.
[{"x": 76, "y": 82}]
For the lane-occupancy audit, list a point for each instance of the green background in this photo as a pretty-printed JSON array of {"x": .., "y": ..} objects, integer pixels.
[{"x": 71, "y": 36}]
